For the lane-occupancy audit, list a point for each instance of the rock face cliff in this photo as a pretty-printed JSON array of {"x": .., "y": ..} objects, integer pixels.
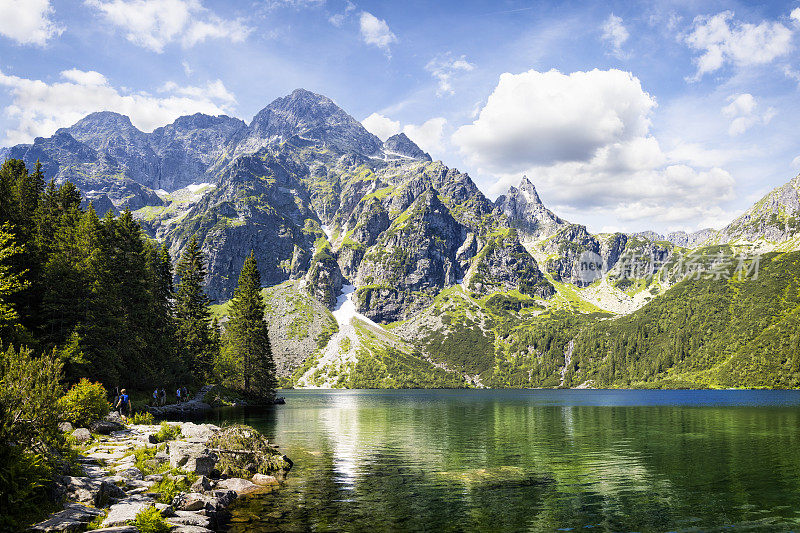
[
  {"x": 775, "y": 218},
  {"x": 526, "y": 212},
  {"x": 320, "y": 199},
  {"x": 379, "y": 233},
  {"x": 306, "y": 187},
  {"x": 401, "y": 146}
]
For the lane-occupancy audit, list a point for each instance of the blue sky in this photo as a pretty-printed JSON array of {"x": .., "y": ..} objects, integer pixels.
[{"x": 625, "y": 116}]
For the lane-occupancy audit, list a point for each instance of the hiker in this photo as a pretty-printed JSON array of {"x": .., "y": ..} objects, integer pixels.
[
  {"x": 185, "y": 394},
  {"x": 155, "y": 398},
  {"x": 123, "y": 404},
  {"x": 163, "y": 396},
  {"x": 178, "y": 394}
]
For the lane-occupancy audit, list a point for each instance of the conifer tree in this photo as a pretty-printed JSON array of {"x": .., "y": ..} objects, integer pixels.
[
  {"x": 247, "y": 333},
  {"x": 192, "y": 312},
  {"x": 161, "y": 321},
  {"x": 20, "y": 193},
  {"x": 10, "y": 282}
]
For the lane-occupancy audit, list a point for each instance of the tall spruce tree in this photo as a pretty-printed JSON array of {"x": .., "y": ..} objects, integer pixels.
[
  {"x": 161, "y": 320},
  {"x": 192, "y": 312},
  {"x": 98, "y": 293},
  {"x": 10, "y": 283},
  {"x": 247, "y": 333}
]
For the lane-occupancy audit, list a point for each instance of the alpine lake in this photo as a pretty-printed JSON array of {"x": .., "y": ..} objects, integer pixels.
[{"x": 529, "y": 460}]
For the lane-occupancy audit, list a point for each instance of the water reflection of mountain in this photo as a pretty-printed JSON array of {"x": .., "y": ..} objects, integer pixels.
[{"x": 440, "y": 460}]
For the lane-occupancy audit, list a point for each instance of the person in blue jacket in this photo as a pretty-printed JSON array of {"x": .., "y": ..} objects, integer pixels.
[{"x": 123, "y": 404}]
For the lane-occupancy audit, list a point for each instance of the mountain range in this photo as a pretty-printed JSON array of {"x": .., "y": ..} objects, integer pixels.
[{"x": 385, "y": 268}]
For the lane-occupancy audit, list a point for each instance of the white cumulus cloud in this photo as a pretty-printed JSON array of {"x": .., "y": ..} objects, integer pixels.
[
  {"x": 28, "y": 21},
  {"x": 376, "y": 32},
  {"x": 153, "y": 24},
  {"x": 720, "y": 39},
  {"x": 444, "y": 67},
  {"x": 584, "y": 139},
  {"x": 38, "y": 108},
  {"x": 742, "y": 110},
  {"x": 381, "y": 126},
  {"x": 546, "y": 117},
  {"x": 615, "y": 34},
  {"x": 429, "y": 135}
]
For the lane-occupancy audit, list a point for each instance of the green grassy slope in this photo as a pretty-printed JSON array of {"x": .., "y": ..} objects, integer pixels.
[
  {"x": 707, "y": 332},
  {"x": 738, "y": 332}
]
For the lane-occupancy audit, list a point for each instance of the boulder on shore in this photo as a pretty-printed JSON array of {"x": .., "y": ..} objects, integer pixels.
[
  {"x": 264, "y": 479},
  {"x": 112, "y": 422},
  {"x": 241, "y": 486},
  {"x": 81, "y": 435},
  {"x": 192, "y": 457}
]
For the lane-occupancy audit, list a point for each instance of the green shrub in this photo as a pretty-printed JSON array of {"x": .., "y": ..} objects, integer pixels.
[
  {"x": 143, "y": 418},
  {"x": 97, "y": 523},
  {"x": 143, "y": 455},
  {"x": 23, "y": 478},
  {"x": 30, "y": 442},
  {"x": 84, "y": 403},
  {"x": 169, "y": 487},
  {"x": 266, "y": 460},
  {"x": 167, "y": 432},
  {"x": 150, "y": 521}
]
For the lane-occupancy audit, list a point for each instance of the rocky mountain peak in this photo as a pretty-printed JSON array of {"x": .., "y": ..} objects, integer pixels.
[
  {"x": 771, "y": 219},
  {"x": 529, "y": 191},
  {"x": 525, "y": 211},
  {"x": 94, "y": 127},
  {"x": 310, "y": 117},
  {"x": 401, "y": 145}
]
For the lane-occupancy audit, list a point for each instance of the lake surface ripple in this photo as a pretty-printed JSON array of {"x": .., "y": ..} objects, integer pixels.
[{"x": 530, "y": 460}]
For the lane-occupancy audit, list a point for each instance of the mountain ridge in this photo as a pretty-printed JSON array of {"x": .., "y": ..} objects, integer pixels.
[{"x": 324, "y": 204}]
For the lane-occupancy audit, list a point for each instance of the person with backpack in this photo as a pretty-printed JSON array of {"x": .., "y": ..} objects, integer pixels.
[
  {"x": 123, "y": 404},
  {"x": 155, "y": 398},
  {"x": 178, "y": 394},
  {"x": 163, "y": 396}
]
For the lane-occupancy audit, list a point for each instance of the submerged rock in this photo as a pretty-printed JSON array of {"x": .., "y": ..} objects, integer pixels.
[
  {"x": 264, "y": 479},
  {"x": 241, "y": 486}
]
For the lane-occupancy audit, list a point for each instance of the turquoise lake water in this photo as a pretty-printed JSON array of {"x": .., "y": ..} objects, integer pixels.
[{"x": 530, "y": 460}]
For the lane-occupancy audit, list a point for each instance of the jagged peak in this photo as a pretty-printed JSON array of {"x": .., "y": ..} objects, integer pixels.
[
  {"x": 299, "y": 99},
  {"x": 305, "y": 93},
  {"x": 310, "y": 116},
  {"x": 401, "y": 137},
  {"x": 402, "y": 145},
  {"x": 528, "y": 190}
]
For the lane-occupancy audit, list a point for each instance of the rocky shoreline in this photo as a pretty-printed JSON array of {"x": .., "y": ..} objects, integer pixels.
[
  {"x": 117, "y": 482},
  {"x": 194, "y": 407},
  {"x": 200, "y": 404}
]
